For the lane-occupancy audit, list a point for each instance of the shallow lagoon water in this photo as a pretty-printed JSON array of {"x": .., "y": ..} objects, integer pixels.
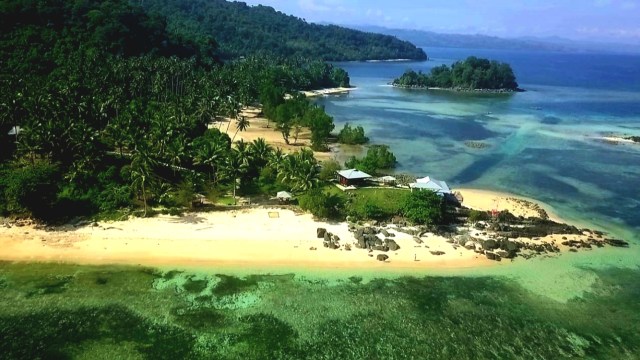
[
  {"x": 582, "y": 305},
  {"x": 541, "y": 142},
  {"x": 88, "y": 312}
]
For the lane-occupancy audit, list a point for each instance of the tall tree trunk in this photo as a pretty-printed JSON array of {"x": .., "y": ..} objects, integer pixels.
[
  {"x": 235, "y": 181},
  {"x": 144, "y": 199}
]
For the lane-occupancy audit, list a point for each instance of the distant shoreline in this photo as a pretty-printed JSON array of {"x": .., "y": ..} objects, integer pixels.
[
  {"x": 460, "y": 90},
  {"x": 617, "y": 139},
  {"x": 328, "y": 91}
]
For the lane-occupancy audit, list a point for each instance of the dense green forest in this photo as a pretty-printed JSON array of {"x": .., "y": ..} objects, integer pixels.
[
  {"x": 102, "y": 108},
  {"x": 470, "y": 74},
  {"x": 242, "y": 30}
]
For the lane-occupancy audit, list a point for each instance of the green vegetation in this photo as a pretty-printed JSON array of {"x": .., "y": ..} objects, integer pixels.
[
  {"x": 477, "y": 215},
  {"x": 292, "y": 114},
  {"x": 377, "y": 204},
  {"x": 127, "y": 312},
  {"x": 378, "y": 157},
  {"x": 352, "y": 136},
  {"x": 324, "y": 205},
  {"x": 115, "y": 110},
  {"x": 328, "y": 170},
  {"x": 470, "y": 74},
  {"x": 425, "y": 207},
  {"x": 242, "y": 30}
]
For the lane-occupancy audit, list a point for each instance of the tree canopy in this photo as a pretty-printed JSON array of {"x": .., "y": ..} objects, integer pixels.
[
  {"x": 242, "y": 30},
  {"x": 110, "y": 109},
  {"x": 470, "y": 74}
]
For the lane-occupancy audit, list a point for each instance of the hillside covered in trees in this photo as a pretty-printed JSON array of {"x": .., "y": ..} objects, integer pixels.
[
  {"x": 242, "y": 30},
  {"x": 102, "y": 108},
  {"x": 470, "y": 74}
]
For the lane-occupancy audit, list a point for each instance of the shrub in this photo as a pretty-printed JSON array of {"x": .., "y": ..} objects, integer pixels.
[
  {"x": 32, "y": 188},
  {"x": 328, "y": 170},
  {"x": 114, "y": 197},
  {"x": 476, "y": 215},
  {"x": 352, "y": 136},
  {"x": 322, "y": 205},
  {"x": 424, "y": 207},
  {"x": 378, "y": 157}
]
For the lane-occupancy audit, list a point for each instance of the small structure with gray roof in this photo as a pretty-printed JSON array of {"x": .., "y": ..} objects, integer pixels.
[
  {"x": 352, "y": 177},
  {"x": 427, "y": 183}
]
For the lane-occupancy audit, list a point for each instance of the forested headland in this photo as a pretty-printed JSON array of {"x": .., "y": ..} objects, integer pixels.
[
  {"x": 242, "y": 30},
  {"x": 103, "y": 108},
  {"x": 472, "y": 74}
]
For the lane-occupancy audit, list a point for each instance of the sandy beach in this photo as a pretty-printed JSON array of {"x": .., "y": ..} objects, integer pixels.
[
  {"x": 329, "y": 91},
  {"x": 253, "y": 237},
  {"x": 256, "y": 237},
  {"x": 260, "y": 127},
  {"x": 517, "y": 205}
]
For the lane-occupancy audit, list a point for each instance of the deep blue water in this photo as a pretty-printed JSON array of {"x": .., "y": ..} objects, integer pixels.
[{"x": 542, "y": 142}]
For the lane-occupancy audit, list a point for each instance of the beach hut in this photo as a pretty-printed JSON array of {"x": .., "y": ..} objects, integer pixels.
[
  {"x": 427, "y": 183},
  {"x": 387, "y": 180},
  {"x": 284, "y": 196},
  {"x": 352, "y": 177}
]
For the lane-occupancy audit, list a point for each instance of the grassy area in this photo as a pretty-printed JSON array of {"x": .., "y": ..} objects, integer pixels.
[
  {"x": 225, "y": 200},
  {"x": 389, "y": 200}
]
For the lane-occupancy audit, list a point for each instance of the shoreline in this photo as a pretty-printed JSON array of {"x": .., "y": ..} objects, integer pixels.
[
  {"x": 487, "y": 200},
  {"x": 222, "y": 239},
  {"x": 461, "y": 90},
  {"x": 615, "y": 140},
  {"x": 328, "y": 91}
]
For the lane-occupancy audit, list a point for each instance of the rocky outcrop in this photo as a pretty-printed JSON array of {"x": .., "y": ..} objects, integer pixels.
[
  {"x": 382, "y": 257},
  {"x": 320, "y": 232},
  {"x": 393, "y": 246}
]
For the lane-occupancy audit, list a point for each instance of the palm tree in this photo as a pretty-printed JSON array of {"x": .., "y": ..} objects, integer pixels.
[
  {"x": 242, "y": 124},
  {"x": 210, "y": 153},
  {"x": 300, "y": 171},
  {"x": 260, "y": 151},
  {"x": 141, "y": 164},
  {"x": 234, "y": 167}
]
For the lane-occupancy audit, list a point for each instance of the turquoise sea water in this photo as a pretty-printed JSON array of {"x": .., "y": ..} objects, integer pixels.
[
  {"x": 541, "y": 141},
  {"x": 573, "y": 305}
]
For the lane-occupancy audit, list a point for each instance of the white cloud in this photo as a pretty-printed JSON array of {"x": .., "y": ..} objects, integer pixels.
[{"x": 312, "y": 5}]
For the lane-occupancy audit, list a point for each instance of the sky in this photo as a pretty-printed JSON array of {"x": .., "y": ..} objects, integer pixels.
[{"x": 593, "y": 20}]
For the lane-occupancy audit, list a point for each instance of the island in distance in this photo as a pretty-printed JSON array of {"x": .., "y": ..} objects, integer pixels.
[{"x": 471, "y": 75}]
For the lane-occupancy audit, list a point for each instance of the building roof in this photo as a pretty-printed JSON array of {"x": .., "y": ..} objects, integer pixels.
[
  {"x": 428, "y": 183},
  {"x": 15, "y": 131},
  {"x": 284, "y": 195},
  {"x": 353, "y": 174}
]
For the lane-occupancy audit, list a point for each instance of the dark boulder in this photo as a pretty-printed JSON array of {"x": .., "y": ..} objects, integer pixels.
[
  {"x": 489, "y": 244},
  {"x": 437, "y": 253},
  {"x": 382, "y": 257},
  {"x": 327, "y": 236},
  {"x": 393, "y": 246},
  {"x": 320, "y": 232},
  {"x": 385, "y": 233},
  {"x": 510, "y": 245},
  {"x": 617, "y": 243},
  {"x": 381, "y": 248}
]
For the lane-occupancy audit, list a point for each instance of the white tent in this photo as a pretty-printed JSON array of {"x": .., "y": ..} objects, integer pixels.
[{"x": 283, "y": 195}]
